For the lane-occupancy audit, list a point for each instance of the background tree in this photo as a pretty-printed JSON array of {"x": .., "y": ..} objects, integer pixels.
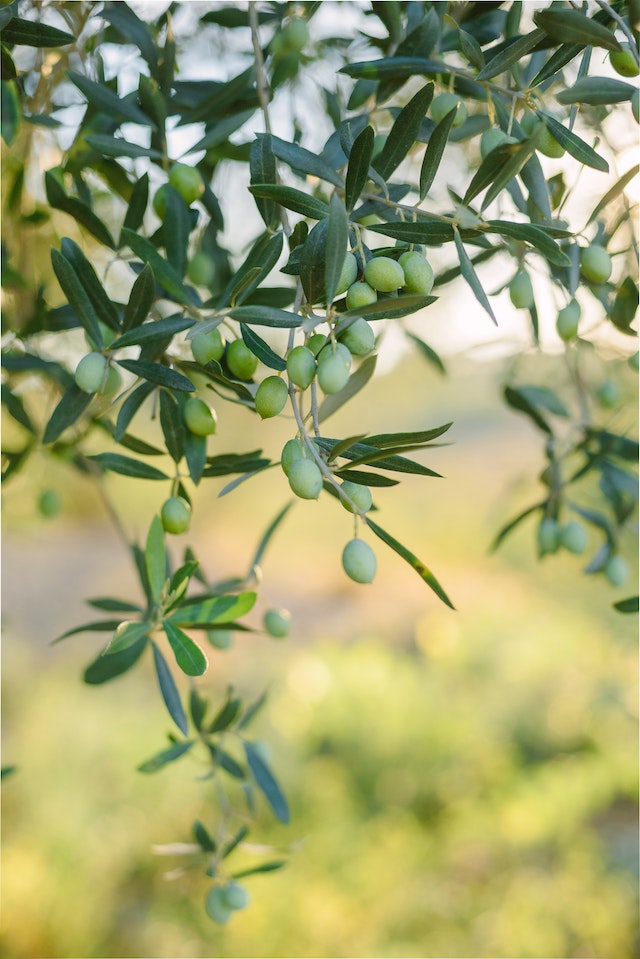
[{"x": 355, "y": 208}]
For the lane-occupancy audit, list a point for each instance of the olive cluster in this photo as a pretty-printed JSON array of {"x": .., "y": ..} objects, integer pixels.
[
  {"x": 572, "y": 536},
  {"x": 223, "y": 901}
]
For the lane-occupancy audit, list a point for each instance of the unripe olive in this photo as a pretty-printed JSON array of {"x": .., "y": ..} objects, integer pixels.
[
  {"x": 384, "y": 274},
  {"x": 348, "y": 273},
  {"x": 359, "y": 494},
  {"x": 216, "y": 905},
  {"x": 316, "y": 341},
  {"x": 292, "y": 38},
  {"x": 358, "y": 337},
  {"x": 548, "y": 536},
  {"x": 443, "y": 104},
  {"x": 113, "y": 382},
  {"x": 175, "y": 515},
  {"x": 334, "y": 364},
  {"x": 200, "y": 419},
  {"x": 595, "y": 263},
  {"x": 359, "y": 561},
  {"x": 220, "y": 638},
  {"x": 305, "y": 479},
  {"x": 616, "y": 570},
  {"x": 359, "y": 295},
  {"x": 608, "y": 394},
  {"x": 292, "y": 451},
  {"x": 201, "y": 269},
  {"x": 91, "y": 372},
  {"x": 573, "y": 536},
  {"x": 235, "y": 896},
  {"x": 491, "y": 138},
  {"x": 108, "y": 336},
  {"x": 549, "y": 145},
  {"x": 521, "y": 290},
  {"x": 418, "y": 274},
  {"x": 271, "y": 396},
  {"x": 568, "y": 319},
  {"x": 277, "y": 622},
  {"x": 240, "y": 360},
  {"x": 301, "y": 366},
  {"x": 49, "y": 503},
  {"x": 624, "y": 62},
  {"x": 207, "y": 346},
  {"x": 159, "y": 202},
  {"x": 187, "y": 181}
]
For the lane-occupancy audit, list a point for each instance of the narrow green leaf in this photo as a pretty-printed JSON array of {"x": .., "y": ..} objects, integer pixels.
[
  {"x": 72, "y": 405},
  {"x": 429, "y": 354},
  {"x": 262, "y": 164},
  {"x": 574, "y": 144},
  {"x": 357, "y": 381},
  {"x": 367, "y": 478},
  {"x": 264, "y": 867},
  {"x": 165, "y": 757},
  {"x": 195, "y": 452},
  {"x": 358, "y": 169},
  {"x": 262, "y": 258},
  {"x": 172, "y": 425},
  {"x": 571, "y": 26},
  {"x": 336, "y": 246},
  {"x": 16, "y": 408},
  {"x": 225, "y": 761},
  {"x": 105, "y": 100},
  {"x": 102, "y": 305},
  {"x": 499, "y": 167},
  {"x": 433, "y": 153},
  {"x": 518, "y": 401},
  {"x": 110, "y": 605},
  {"x": 155, "y": 558},
  {"x": 512, "y": 54},
  {"x": 127, "y": 634},
  {"x": 383, "y": 440},
  {"x": 11, "y": 111},
  {"x": 267, "y": 783},
  {"x": 189, "y": 656},
  {"x": 563, "y": 55},
  {"x": 386, "y": 309},
  {"x": 117, "y": 147},
  {"x": 130, "y": 407},
  {"x": 614, "y": 192},
  {"x": 77, "y": 296},
  {"x": 176, "y": 229},
  {"x": 99, "y": 626},
  {"x": 422, "y": 231},
  {"x": 169, "y": 691},
  {"x": 104, "y": 668},
  {"x": 266, "y": 316},
  {"x": 596, "y": 91},
  {"x": 141, "y": 299},
  {"x": 163, "y": 271},
  {"x": 215, "y": 609},
  {"x": 158, "y": 373},
  {"x": 544, "y": 398},
  {"x": 423, "y": 571},
  {"x": 533, "y": 235},
  {"x": 392, "y": 68},
  {"x": 268, "y": 536},
  {"x": 470, "y": 275},
  {"x": 30, "y": 33},
  {"x": 225, "y": 715},
  {"x": 156, "y": 330},
  {"x": 404, "y": 132},
  {"x": 292, "y": 199},
  {"x": 137, "y": 204},
  {"x": 312, "y": 263},
  {"x": 630, "y": 605},
  {"x": 512, "y": 524},
  {"x": 81, "y": 212},
  {"x": 261, "y": 349},
  {"x": 304, "y": 161},
  {"x": 127, "y": 466},
  {"x": 360, "y": 452},
  {"x": 132, "y": 28}
]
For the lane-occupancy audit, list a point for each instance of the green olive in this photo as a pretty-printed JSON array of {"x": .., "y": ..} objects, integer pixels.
[
  {"x": 573, "y": 536},
  {"x": 271, "y": 396},
  {"x": 240, "y": 360},
  {"x": 91, "y": 373},
  {"x": 188, "y": 181},
  {"x": 521, "y": 291},
  {"x": 358, "y": 494},
  {"x": 548, "y": 536},
  {"x": 568, "y": 320},
  {"x": 384, "y": 274},
  {"x": 201, "y": 420},
  {"x": 207, "y": 346},
  {"x": 277, "y": 622},
  {"x": 624, "y": 61},
  {"x": 292, "y": 451},
  {"x": 418, "y": 274},
  {"x": 359, "y": 295},
  {"x": 175, "y": 515},
  {"x": 301, "y": 366},
  {"x": 443, "y": 104},
  {"x": 359, "y": 561},
  {"x": 334, "y": 365},
  {"x": 358, "y": 337},
  {"x": 348, "y": 274},
  {"x": 595, "y": 263},
  {"x": 305, "y": 479}
]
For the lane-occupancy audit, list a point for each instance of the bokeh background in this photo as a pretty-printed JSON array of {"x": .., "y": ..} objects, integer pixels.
[{"x": 462, "y": 783}]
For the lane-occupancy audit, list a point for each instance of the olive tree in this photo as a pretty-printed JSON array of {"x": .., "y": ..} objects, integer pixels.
[{"x": 180, "y": 319}]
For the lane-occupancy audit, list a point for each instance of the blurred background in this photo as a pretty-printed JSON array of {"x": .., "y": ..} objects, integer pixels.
[{"x": 462, "y": 783}]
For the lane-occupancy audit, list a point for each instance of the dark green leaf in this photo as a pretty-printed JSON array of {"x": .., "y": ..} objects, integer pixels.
[
  {"x": 172, "y": 425},
  {"x": 175, "y": 230},
  {"x": 72, "y": 405},
  {"x": 262, "y": 258},
  {"x": 77, "y": 296},
  {"x": 127, "y": 634},
  {"x": 624, "y": 307},
  {"x": 533, "y": 235},
  {"x": 336, "y": 246},
  {"x": 470, "y": 275},
  {"x": 141, "y": 299},
  {"x": 304, "y": 161},
  {"x": 166, "y": 756},
  {"x": 434, "y": 151},
  {"x": 132, "y": 28},
  {"x": 267, "y": 783},
  {"x": 614, "y": 192},
  {"x": 312, "y": 263},
  {"x": 264, "y": 867},
  {"x": 358, "y": 169},
  {"x": 127, "y": 466},
  {"x": 225, "y": 715},
  {"x": 394, "y": 306},
  {"x": 366, "y": 478},
  {"x": 169, "y": 691},
  {"x": 219, "y": 133},
  {"x": 110, "y": 605},
  {"x": 571, "y": 26},
  {"x": 544, "y": 398},
  {"x": 156, "y": 330},
  {"x": 163, "y": 271},
  {"x": 29, "y": 33},
  {"x": 265, "y": 316},
  {"x": 99, "y": 626},
  {"x": 422, "y": 231},
  {"x": 268, "y": 535},
  {"x": 293, "y": 199},
  {"x": 423, "y": 571},
  {"x": 155, "y": 558},
  {"x": 11, "y": 111},
  {"x": 189, "y": 656},
  {"x": 392, "y": 68},
  {"x": 16, "y": 409},
  {"x": 137, "y": 204},
  {"x": 117, "y": 147},
  {"x": 512, "y": 54},
  {"x": 103, "y": 306},
  {"x": 215, "y": 609},
  {"x": 158, "y": 373},
  {"x": 510, "y": 526},
  {"x": 596, "y": 91},
  {"x": 225, "y": 761},
  {"x": 563, "y": 55},
  {"x": 202, "y": 837},
  {"x": 130, "y": 407},
  {"x": 262, "y": 164},
  {"x": 106, "y": 101},
  {"x": 498, "y": 168},
  {"x": 80, "y": 212},
  {"x": 518, "y": 401},
  {"x": 404, "y": 132},
  {"x": 429, "y": 354},
  {"x": 361, "y": 451},
  {"x": 629, "y": 605},
  {"x": 105, "y": 668},
  {"x": 261, "y": 349},
  {"x": 195, "y": 451},
  {"x": 573, "y": 144},
  {"x": 383, "y": 440}
]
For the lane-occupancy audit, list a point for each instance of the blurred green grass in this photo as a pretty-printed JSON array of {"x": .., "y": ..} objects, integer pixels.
[{"x": 462, "y": 783}]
